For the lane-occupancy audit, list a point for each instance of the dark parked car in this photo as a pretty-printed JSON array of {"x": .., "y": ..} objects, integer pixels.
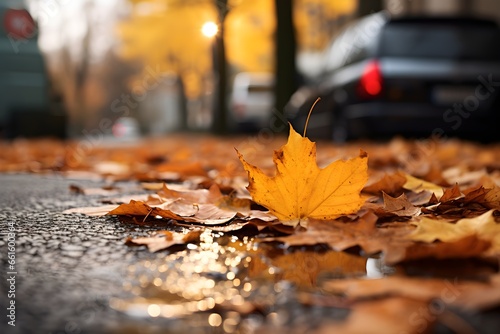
[
  {"x": 28, "y": 104},
  {"x": 413, "y": 76}
]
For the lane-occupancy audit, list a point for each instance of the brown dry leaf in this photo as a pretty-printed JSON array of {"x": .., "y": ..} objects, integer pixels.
[
  {"x": 264, "y": 216},
  {"x": 390, "y": 315},
  {"x": 481, "y": 299},
  {"x": 181, "y": 207},
  {"x": 475, "y": 195},
  {"x": 400, "y": 206},
  {"x": 230, "y": 202},
  {"x": 391, "y": 184},
  {"x": 467, "y": 247},
  {"x": 421, "y": 198},
  {"x": 92, "y": 210},
  {"x": 209, "y": 214},
  {"x": 300, "y": 189},
  {"x": 200, "y": 206},
  {"x": 451, "y": 194},
  {"x": 467, "y": 294},
  {"x": 165, "y": 239},
  {"x": 484, "y": 226},
  {"x": 201, "y": 196},
  {"x": 423, "y": 289},
  {"x": 380, "y": 294},
  {"x": 137, "y": 208},
  {"x": 211, "y": 196},
  {"x": 206, "y": 214},
  {"x": 492, "y": 197},
  {"x": 340, "y": 236},
  {"x": 417, "y": 185},
  {"x": 455, "y": 204}
]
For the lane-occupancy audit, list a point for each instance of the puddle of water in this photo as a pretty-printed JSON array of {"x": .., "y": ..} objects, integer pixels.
[
  {"x": 235, "y": 279},
  {"x": 306, "y": 268}
]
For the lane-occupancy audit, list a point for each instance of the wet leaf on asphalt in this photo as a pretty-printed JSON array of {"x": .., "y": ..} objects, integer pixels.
[{"x": 300, "y": 189}]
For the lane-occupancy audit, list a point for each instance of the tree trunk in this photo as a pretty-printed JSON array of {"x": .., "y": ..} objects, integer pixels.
[
  {"x": 285, "y": 70},
  {"x": 219, "y": 122},
  {"x": 81, "y": 76}
]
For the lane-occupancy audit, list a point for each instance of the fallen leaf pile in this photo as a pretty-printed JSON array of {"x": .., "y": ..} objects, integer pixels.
[{"x": 419, "y": 207}]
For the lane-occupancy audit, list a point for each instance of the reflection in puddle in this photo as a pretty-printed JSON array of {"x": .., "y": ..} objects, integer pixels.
[
  {"x": 304, "y": 268},
  {"x": 232, "y": 281}
]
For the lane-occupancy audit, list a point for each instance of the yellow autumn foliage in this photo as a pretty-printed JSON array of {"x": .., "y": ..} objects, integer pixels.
[
  {"x": 300, "y": 189},
  {"x": 166, "y": 34},
  {"x": 314, "y": 21}
]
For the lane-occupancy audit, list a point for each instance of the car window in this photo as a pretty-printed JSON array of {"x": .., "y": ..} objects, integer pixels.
[
  {"x": 447, "y": 41},
  {"x": 356, "y": 42}
]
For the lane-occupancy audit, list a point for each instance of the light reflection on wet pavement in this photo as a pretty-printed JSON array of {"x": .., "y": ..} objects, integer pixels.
[
  {"x": 77, "y": 275},
  {"x": 234, "y": 285}
]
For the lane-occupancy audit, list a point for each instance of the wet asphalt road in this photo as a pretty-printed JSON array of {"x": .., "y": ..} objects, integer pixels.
[{"x": 67, "y": 267}]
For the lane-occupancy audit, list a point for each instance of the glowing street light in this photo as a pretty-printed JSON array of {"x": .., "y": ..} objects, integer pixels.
[{"x": 209, "y": 29}]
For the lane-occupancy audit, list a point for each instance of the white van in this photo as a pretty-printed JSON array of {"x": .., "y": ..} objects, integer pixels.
[{"x": 252, "y": 100}]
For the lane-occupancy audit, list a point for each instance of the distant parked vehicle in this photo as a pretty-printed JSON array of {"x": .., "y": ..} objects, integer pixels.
[
  {"x": 412, "y": 76},
  {"x": 28, "y": 105},
  {"x": 126, "y": 129},
  {"x": 252, "y": 100}
]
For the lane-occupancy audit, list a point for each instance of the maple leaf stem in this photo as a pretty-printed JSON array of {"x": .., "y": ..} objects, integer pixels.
[{"x": 309, "y": 115}]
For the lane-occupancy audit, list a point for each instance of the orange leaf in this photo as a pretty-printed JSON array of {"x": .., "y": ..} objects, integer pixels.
[
  {"x": 166, "y": 239},
  {"x": 400, "y": 206},
  {"x": 450, "y": 194},
  {"x": 301, "y": 190},
  {"x": 391, "y": 184}
]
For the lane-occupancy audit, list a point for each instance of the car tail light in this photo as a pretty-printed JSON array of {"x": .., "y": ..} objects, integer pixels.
[
  {"x": 370, "y": 84},
  {"x": 19, "y": 24}
]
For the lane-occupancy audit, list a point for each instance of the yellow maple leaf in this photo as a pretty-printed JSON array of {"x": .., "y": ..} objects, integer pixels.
[
  {"x": 416, "y": 185},
  {"x": 300, "y": 189},
  {"x": 484, "y": 226}
]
